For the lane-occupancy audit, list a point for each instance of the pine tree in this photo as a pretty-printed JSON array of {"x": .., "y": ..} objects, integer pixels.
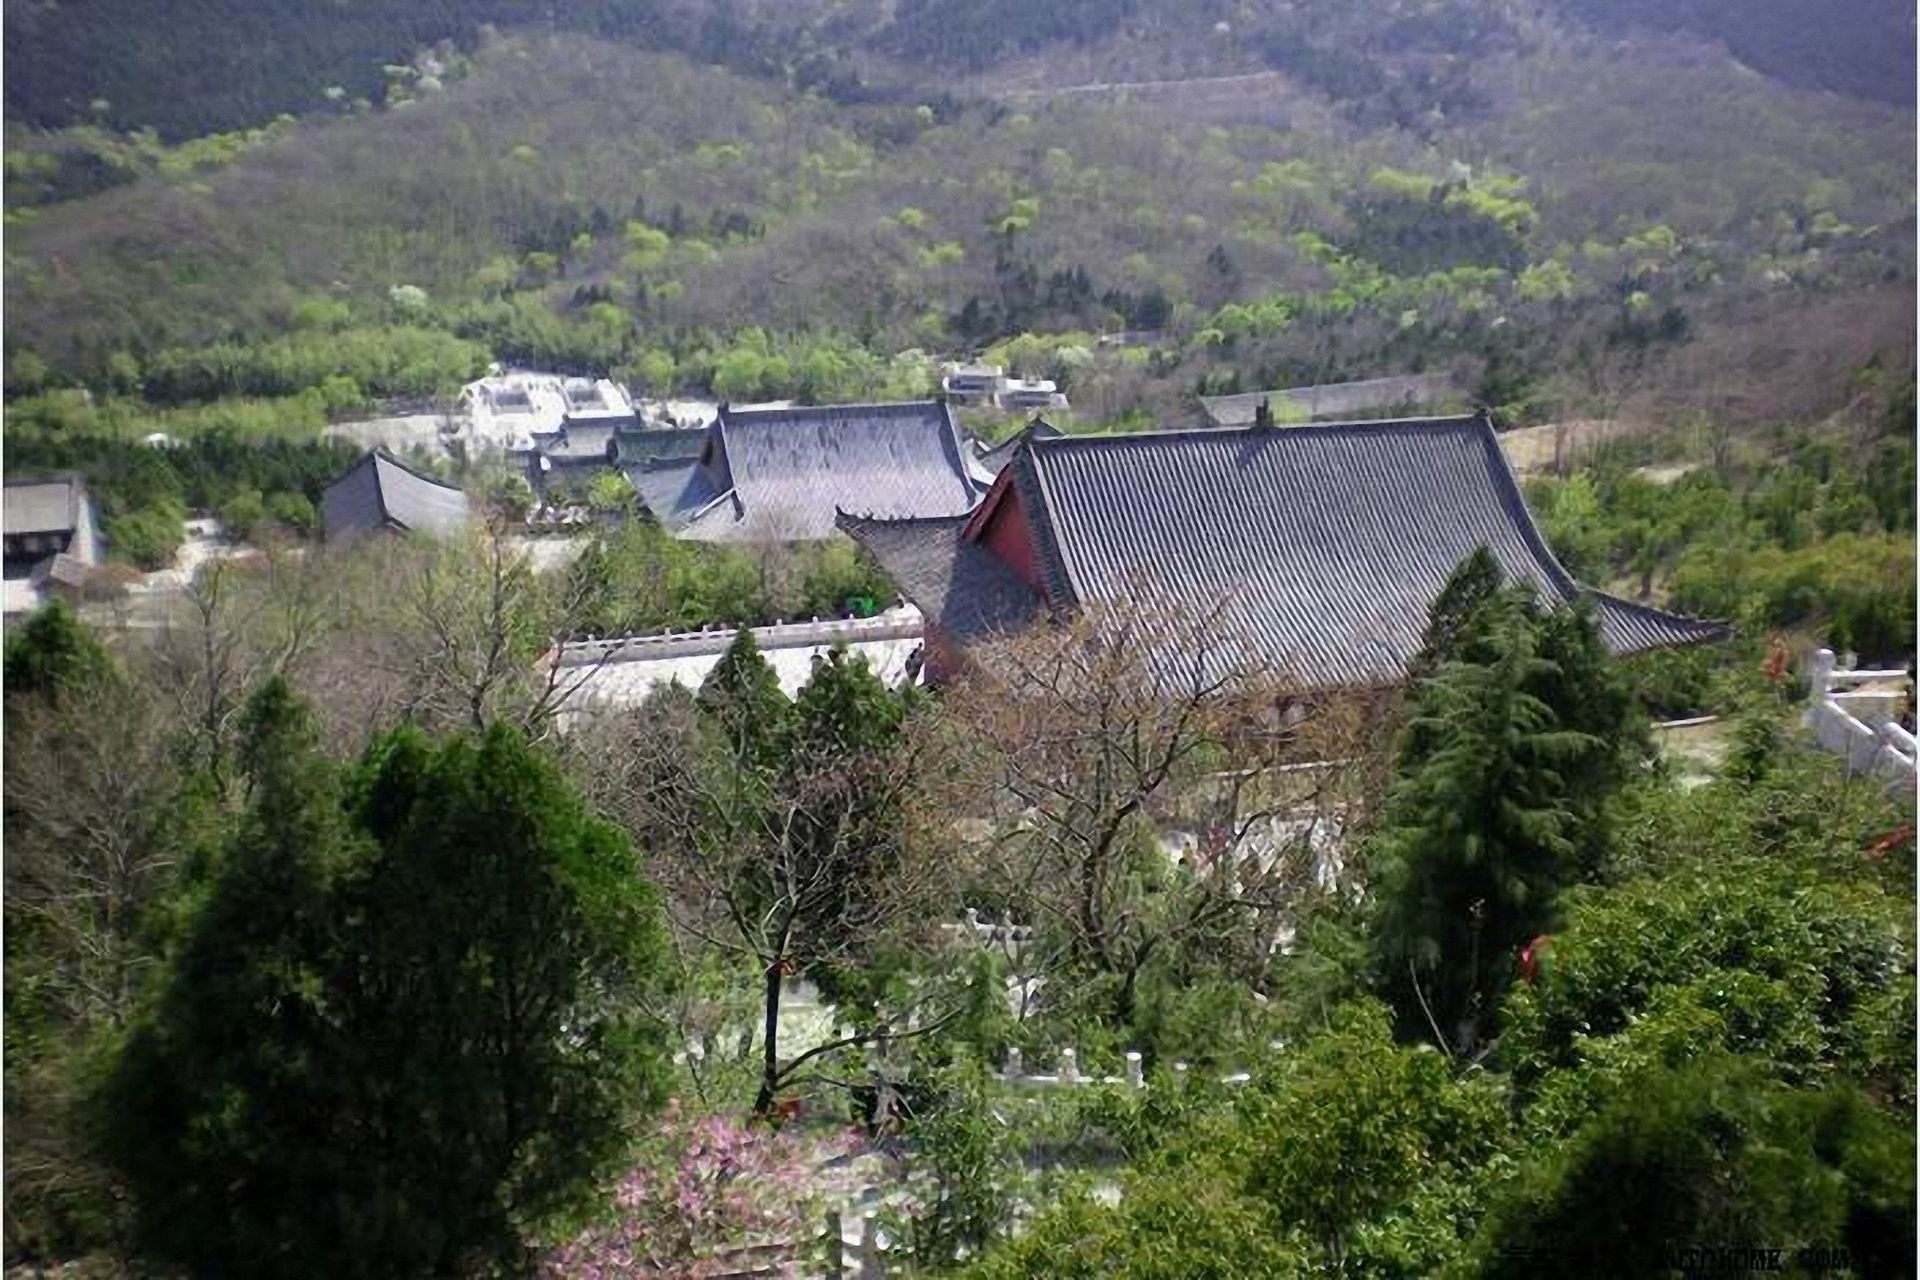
[
  {"x": 215, "y": 1107},
  {"x": 1481, "y": 830},
  {"x": 403, "y": 1022}
]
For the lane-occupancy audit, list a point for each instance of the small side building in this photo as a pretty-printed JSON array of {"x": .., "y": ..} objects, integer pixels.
[
  {"x": 52, "y": 539},
  {"x": 381, "y": 494}
]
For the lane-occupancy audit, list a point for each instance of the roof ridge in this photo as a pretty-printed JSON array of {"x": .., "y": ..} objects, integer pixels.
[
  {"x": 1451, "y": 420},
  {"x": 857, "y": 406},
  {"x": 840, "y": 513},
  {"x": 379, "y": 452}
]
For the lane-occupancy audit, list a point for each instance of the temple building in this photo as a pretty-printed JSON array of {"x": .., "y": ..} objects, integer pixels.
[
  {"x": 780, "y": 475},
  {"x": 381, "y": 494},
  {"x": 1318, "y": 549}
]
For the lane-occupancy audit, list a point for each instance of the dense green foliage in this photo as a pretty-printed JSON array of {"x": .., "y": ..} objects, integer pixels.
[
  {"x": 1715, "y": 1050},
  {"x": 1818, "y": 536},
  {"x": 1705, "y": 1158},
  {"x": 52, "y": 650},
  {"x": 1518, "y": 740},
  {"x": 640, "y": 578},
  {"x": 399, "y": 1024}
]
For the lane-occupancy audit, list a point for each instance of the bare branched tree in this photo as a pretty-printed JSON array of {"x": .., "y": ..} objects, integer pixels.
[
  {"x": 783, "y": 837},
  {"x": 1082, "y": 743},
  {"x": 236, "y": 624},
  {"x": 92, "y": 838}
]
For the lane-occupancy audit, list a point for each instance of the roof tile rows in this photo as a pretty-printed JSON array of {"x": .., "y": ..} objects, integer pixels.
[
  {"x": 381, "y": 492},
  {"x": 780, "y": 474},
  {"x": 1316, "y": 548}
]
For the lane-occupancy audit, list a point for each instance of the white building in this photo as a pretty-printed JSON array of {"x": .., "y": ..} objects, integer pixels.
[
  {"x": 614, "y": 674},
  {"x": 506, "y": 410}
]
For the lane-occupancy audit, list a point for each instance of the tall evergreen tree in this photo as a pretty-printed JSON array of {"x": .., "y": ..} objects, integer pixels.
[
  {"x": 1480, "y": 831},
  {"x": 402, "y": 1023},
  {"x": 215, "y": 1108},
  {"x": 503, "y": 940},
  {"x": 742, "y": 702}
]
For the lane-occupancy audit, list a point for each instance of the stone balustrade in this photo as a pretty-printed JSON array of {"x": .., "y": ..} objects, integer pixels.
[{"x": 1859, "y": 726}]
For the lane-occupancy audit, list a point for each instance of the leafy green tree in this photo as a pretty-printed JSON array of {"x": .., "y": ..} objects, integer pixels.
[
  {"x": 1479, "y": 833},
  {"x": 966, "y": 1152},
  {"x": 244, "y": 513},
  {"x": 1708, "y": 1156},
  {"x": 609, "y": 491},
  {"x": 149, "y": 536},
  {"x": 216, "y": 1107},
  {"x": 1349, "y": 1154},
  {"x": 401, "y": 1027},
  {"x": 782, "y": 830},
  {"x": 1788, "y": 967},
  {"x": 53, "y": 650},
  {"x": 292, "y": 511}
]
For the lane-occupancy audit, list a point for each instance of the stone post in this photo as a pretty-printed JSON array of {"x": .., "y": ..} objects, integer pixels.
[
  {"x": 1015, "y": 1068},
  {"x": 1136, "y": 1074},
  {"x": 1069, "y": 1067},
  {"x": 1820, "y": 673}
]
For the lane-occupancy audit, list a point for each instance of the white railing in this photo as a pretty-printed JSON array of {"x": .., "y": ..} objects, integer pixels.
[
  {"x": 1860, "y": 726},
  {"x": 988, "y": 932},
  {"x": 1069, "y": 1075},
  {"x": 902, "y": 622}
]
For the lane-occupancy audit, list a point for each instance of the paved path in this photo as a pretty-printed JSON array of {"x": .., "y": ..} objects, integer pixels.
[{"x": 398, "y": 434}]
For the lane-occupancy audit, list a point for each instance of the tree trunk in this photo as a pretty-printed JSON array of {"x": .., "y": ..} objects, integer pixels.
[
  {"x": 770, "y": 1050},
  {"x": 1129, "y": 991}
]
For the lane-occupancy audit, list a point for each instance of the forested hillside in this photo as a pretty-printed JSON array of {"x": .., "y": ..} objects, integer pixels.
[
  {"x": 186, "y": 69},
  {"x": 343, "y": 938}
]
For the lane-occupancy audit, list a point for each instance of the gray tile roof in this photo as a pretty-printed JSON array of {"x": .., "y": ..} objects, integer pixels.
[
  {"x": 785, "y": 472},
  {"x": 994, "y": 457},
  {"x": 576, "y": 440},
  {"x": 1322, "y": 546},
  {"x": 381, "y": 492},
  {"x": 959, "y": 586},
  {"x": 42, "y": 506},
  {"x": 1334, "y": 399}
]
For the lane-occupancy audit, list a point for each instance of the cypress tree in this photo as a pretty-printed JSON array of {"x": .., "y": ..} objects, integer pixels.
[
  {"x": 1480, "y": 831},
  {"x": 403, "y": 1024}
]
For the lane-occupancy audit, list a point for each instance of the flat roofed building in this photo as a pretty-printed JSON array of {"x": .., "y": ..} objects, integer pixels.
[
  {"x": 622, "y": 672},
  {"x": 1319, "y": 549}
]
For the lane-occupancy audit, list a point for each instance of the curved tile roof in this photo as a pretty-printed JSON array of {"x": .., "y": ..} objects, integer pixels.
[
  {"x": 789, "y": 470},
  {"x": 1319, "y": 548},
  {"x": 959, "y": 586},
  {"x": 1326, "y": 543},
  {"x": 380, "y": 491}
]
